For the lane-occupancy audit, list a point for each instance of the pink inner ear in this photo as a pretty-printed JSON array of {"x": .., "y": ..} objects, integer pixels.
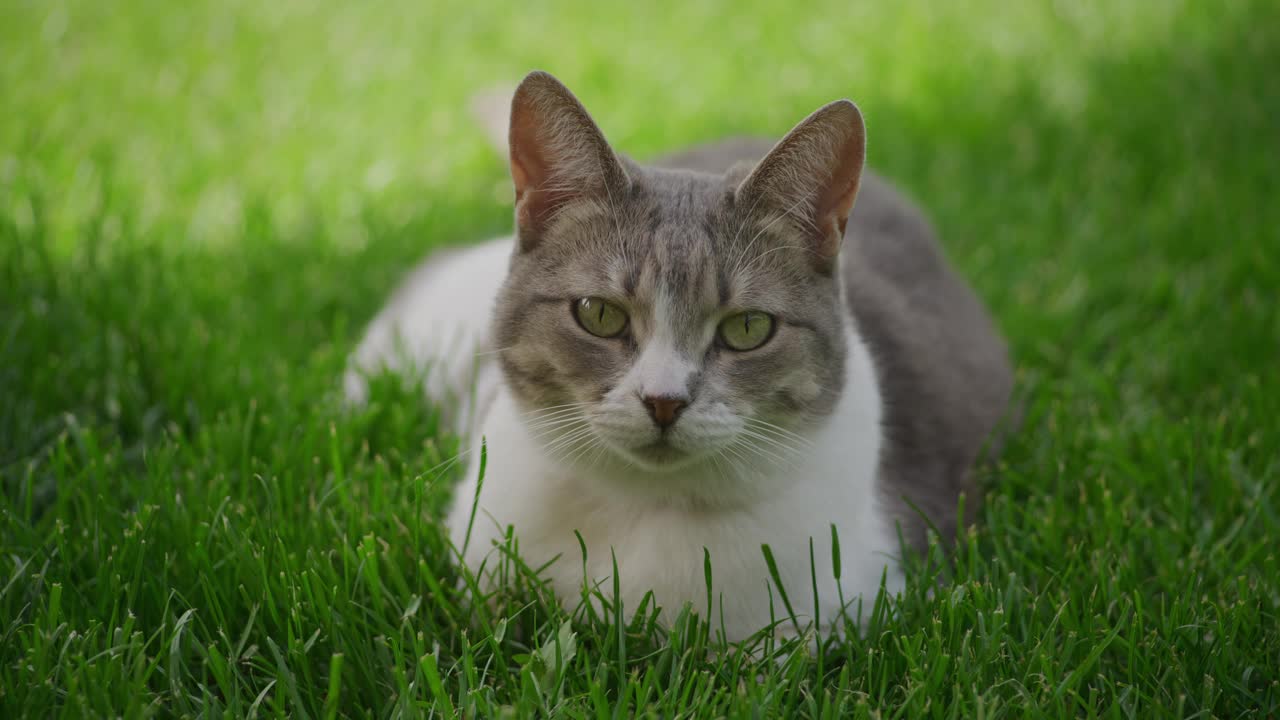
[
  {"x": 837, "y": 203},
  {"x": 535, "y": 202},
  {"x": 519, "y": 177},
  {"x": 530, "y": 171},
  {"x": 528, "y": 167},
  {"x": 817, "y": 166},
  {"x": 557, "y": 154}
]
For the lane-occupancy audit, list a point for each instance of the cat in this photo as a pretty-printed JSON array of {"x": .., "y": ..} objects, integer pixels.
[{"x": 715, "y": 351}]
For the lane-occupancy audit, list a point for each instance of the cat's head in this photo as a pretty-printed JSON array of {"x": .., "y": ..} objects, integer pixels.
[{"x": 670, "y": 320}]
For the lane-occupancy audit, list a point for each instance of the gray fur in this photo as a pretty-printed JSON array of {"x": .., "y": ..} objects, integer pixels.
[
  {"x": 674, "y": 231},
  {"x": 943, "y": 367},
  {"x": 680, "y": 226}
]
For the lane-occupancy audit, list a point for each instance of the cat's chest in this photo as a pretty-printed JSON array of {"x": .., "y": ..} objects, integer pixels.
[
  {"x": 681, "y": 556},
  {"x": 660, "y": 549},
  {"x": 559, "y": 513}
]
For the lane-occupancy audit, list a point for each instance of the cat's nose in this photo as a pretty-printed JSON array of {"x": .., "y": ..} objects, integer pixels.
[{"x": 664, "y": 409}]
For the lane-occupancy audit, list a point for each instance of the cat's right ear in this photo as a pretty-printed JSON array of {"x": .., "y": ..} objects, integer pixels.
[
  {"x": 558, "y": 156},
  {"x": 812, "y": 176}
]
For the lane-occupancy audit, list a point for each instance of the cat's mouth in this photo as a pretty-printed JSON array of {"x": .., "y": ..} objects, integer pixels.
[{"x": 662, "y": 455}]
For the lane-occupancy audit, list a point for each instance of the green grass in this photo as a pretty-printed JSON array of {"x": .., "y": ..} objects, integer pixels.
[{"x": 201, "y": 203}]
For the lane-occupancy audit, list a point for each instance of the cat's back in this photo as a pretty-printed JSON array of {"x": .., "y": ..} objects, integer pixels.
[
  {"x": 944, "y": 371},
  {"x": 943, "y": 366}
]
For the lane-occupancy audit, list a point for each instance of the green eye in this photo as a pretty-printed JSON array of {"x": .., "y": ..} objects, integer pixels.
[
  {"x": 746, "y": 330},
  {"x": 599, "y": 317}
]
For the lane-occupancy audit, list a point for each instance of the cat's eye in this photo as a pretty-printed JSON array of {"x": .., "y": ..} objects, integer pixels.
[
  {"x": 746, "y": 330},
  {"x": 600, "y": 317}
]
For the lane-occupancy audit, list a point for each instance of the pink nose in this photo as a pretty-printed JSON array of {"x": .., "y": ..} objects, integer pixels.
[{"x": 664, "y": 410}]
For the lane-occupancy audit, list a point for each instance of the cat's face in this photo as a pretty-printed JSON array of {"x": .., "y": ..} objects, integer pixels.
[
  {"x": 672, "y": 328},
  {"x": 665, "y": 319}
]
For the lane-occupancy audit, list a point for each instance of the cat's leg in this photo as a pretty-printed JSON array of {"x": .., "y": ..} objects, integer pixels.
[{"x": 436, "y": 327}]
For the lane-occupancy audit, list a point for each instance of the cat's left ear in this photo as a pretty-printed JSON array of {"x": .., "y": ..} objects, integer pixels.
[
  {"x": 558, "y": 156},
  {"x": 812, "y": 176}
]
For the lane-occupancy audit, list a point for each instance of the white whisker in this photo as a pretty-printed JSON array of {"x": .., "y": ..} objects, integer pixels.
[
  {"x": 742, "y": 251},
  {"x": 445, "y": 464},
  {"x": 738, "y": 461},
  {"x": 546, "y": 434},
  {"x": 783, "y": 448},
  {"x": 579, "y": 448},
  {"x": 780, "y": 432},
  {"x": 760, "y": 258},
  {"x": 554, "y": 421},
  {"x": 568, "y": 439},
  {"x": 541, "y": 420},
  {"x": 555, "y": 407},
  {"x": 787, "y": 213},
  {"x": 601, "y": 451},
  {"x": 760, "y": 451}
]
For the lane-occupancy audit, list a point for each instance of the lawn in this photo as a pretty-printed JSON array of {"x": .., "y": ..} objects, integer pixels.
[{"x": 201, "y": 204}]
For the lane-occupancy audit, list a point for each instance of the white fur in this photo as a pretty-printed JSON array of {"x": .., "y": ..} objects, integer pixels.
[
  {"x": 438, "y": 325},
  {"x": 657, "y": 537}
]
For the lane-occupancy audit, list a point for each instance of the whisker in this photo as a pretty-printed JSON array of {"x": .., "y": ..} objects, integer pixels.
[
  {"x": 763, "y": 230},
  {"x": 568, "y": 427},
  {"x": 568, "y": 438},
  {"x": 781, "y": 447},
  {"x": 578, "y": 448},
  {"x": 554, "y": 421},
  {"x": 746, "y": 248},
  {"x": 764, "y": 434},
  {"x": 569, "y": 433},
  {"x": 742, "y": 225},
  {"x": 762, "y": 452},
  {"x": 737, "y": 457},
  {"x": 560, "y": 425},
  {"x": 555, "y": 407},
  {"x": 741, "y": 465},
  {"x": 601, "y": 450},
  {"x": 445, "y": 464},
  {"x": 613, "y": 208},
  {"x": 598, "y": 447},
  {"x": 556, "y": 415},
  {"x": 716, "y": 457},
  {"x": 759, "y": 258},
  {"x": 782, "y": 432}
]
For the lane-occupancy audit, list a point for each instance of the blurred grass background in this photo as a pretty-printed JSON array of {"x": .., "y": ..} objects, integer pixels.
[
  {"x": 201, "y": 203},
  {"x": 336, "y": 108}
]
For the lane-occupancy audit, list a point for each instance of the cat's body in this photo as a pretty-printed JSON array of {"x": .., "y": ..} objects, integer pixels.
[{"x": 880, "y": 379}]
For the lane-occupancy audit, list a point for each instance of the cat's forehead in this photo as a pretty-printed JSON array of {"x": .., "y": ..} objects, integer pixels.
[
  {"x": 674, "y": 247},
  {"x": 675, "y": 237},
  {"x": 681, "y": 193}
]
